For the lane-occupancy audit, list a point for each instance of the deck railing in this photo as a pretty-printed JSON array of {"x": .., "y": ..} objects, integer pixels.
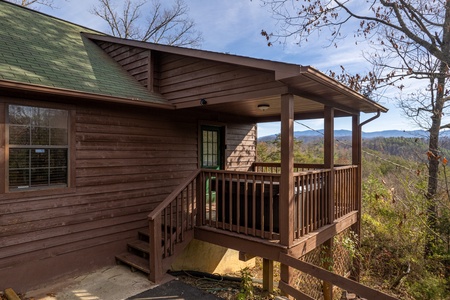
[
  {"x": 263, "y": 167},
  {"x": 242, "y": 202},
  {"x": 172, "y": 224},
  {"x": 247, "y": 203},
  {"x": 311, "y": 201},
  {"x": 345, "y": 191}
]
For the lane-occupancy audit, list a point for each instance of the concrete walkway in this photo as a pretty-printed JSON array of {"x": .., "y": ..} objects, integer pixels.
[{"x": 110, "y": 283}]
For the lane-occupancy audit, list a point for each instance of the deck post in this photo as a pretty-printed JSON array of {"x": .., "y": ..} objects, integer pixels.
[
  {"x": 156, "y": 256},
  {"x": 329, "y": 164},
  {"x": 286, "y": 204},
  {"x": 356, "y": 160},
  {"x": 287, "y": 171},
  {"x": 268, "y": 275},
  {"x": 329, "y": 158}
]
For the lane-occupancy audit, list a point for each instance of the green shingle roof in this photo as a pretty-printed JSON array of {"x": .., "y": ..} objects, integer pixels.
[{"x": 39, "y": 49}]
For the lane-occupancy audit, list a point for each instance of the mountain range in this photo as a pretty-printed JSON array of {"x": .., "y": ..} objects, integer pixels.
[{"x": 366, "y": 135}]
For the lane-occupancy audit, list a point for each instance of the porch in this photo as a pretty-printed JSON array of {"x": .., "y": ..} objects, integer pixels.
[{"x": 244, "y": 211}]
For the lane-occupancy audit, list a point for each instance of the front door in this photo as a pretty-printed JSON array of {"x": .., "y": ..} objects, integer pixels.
[{"x": 212, "y": 148}]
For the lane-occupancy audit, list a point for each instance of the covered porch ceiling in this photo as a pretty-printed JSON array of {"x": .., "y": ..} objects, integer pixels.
[{"x": 312, "y": 92}]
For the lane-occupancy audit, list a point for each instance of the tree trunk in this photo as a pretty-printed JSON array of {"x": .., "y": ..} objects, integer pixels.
[{"x": 434, "y": 158}]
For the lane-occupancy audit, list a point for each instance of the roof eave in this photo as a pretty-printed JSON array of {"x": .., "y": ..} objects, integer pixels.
[
  {"x": 282, "y": 70},
  {"x": 45, "y": 90},
  {"x": 318, "y": 76}
]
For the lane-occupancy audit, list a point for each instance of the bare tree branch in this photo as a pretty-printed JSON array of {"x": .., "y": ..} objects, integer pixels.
[
  {"x": 170, "y": 26},
  {"x": 409, "y": 39},
  {"x": 33, "y": 3}
]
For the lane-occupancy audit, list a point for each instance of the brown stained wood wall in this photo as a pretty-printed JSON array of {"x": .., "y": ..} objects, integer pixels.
[
  {"x": 183, "y": 79},
  {"x": 127, "y": 162},
  {"x": 241, "y": 147},
  {"x": 136, "y": 61}
]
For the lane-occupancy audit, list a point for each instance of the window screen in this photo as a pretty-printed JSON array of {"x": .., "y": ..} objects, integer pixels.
[
  {"x": 211, "y": 147},
  {"x": 38, "y": 147}
]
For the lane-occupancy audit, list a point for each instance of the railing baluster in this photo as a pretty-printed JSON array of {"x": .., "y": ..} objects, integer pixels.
[
  {"x": 254, "y": 204},
  {"x": 271, "y": 209},
  {"x": 230, "y": 202},
  {"x": 262, "y": 205},
  {"x": 246, "y": 204},
  {"x": 165, "y": 232},
  {"x": 238, "y": 203},
  {"x": 183, "y": 213}
]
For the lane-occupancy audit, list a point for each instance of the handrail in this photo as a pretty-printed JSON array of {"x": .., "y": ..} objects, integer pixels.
[
  {"x": 171, "y": 225},
  {"x": 345, "y": 167},
  {"x": 325, "y": 275},
  {"x": 305, "y": 165},
  {"x": 159, "y": 209}
]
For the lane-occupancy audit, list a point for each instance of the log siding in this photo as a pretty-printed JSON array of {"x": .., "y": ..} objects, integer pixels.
[
  {"x": 183, "y": 79},
  {"x": 126, "y": 162},
  {"x": 136, "y": 61}
]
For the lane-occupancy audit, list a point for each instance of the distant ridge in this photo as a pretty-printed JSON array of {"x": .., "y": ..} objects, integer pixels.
[{"x": 366, "y": 135}]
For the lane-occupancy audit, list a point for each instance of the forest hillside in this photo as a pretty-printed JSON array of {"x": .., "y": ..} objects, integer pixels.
[{"x": 394, "y": 224}]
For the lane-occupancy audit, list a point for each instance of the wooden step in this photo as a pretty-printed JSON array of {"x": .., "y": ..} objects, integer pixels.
[
  {"x": 134, "y": 261},
  {"x": 140, "y": 246},
  {"x": 143, "y": 235}
]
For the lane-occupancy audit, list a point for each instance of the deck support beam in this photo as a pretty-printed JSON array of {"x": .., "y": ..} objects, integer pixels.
[
  {"x": 329, "y": 164},
  {"x": 287, "y": 171},
  {"x": 287, "y": 180},
  {"x": 268, "y": 275},
  {"x": 357, "y": 160}
]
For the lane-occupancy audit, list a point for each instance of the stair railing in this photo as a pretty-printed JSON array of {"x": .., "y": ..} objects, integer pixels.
[{"x": 172, "y": 222}]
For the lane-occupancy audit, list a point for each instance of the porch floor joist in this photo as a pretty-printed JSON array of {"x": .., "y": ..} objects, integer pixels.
[
  {"x": 244, "y": 243},
  {"x": 272, "y": 249},
  {"x": 314, "y": 239}
]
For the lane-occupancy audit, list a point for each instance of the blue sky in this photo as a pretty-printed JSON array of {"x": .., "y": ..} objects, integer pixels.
[{"x": 234, "y": 27}]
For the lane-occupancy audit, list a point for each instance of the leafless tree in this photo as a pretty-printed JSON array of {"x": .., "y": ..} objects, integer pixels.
[
  {"x": 170, "y": 26},
  {"x": 33, "y": 3},
  {"x": 407, "y": 38}
]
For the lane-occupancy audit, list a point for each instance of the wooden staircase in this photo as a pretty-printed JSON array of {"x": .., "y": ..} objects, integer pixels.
[
  {"x": 170, "y": 229},
  {"x": 137, "y": 255}
]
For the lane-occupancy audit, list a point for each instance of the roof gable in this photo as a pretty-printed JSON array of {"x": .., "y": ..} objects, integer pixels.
[
  {"x": 42, "y": 50},
  {"x": 244, "y": 81}
]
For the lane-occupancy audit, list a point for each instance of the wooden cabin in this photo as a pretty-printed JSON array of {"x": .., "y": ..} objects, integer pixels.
[{"x": 103, "y": 140}]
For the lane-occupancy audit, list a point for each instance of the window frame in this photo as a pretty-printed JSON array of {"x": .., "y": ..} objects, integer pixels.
[
  {"x": 4, "y": 140},
  {"x": 222, "y": 127}
]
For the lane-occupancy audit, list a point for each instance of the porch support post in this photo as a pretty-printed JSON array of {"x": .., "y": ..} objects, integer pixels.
[
  {"x": 287, "y": 171},
  {"x": 268, "y": 275},
  {"x": 357, "y": 160},
  {"x": 329, "y": 164},
  {"x": 329, "y": 158},
  {"x": 286, "y": 203}
]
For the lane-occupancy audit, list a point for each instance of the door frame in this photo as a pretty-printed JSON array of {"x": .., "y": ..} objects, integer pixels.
[{"x": 222, "y": 142}]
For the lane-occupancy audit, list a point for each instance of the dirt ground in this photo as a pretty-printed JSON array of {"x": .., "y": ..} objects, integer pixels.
[{"x": 230, "y": 290}]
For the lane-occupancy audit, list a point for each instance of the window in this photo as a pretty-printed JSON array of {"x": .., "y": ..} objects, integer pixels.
[
  {"x": 211, "y": 154},
  {"x": 37, "y": 146}
]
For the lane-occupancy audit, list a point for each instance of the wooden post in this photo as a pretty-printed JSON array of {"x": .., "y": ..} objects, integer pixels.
[
  {"x": 286, "y": 204},
  {"x": 155, "y": 253},
  {"x": 200, "y": 197},
  {"x": 329, "y": 158},
  {"x": 268, "y": 275},
  {"x": 329, "y": 164},
  {"x": 357, "y": 160},
  {"x": 287, "y": 171}
]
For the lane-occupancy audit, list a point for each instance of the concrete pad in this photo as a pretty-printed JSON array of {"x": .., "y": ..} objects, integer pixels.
[
  {"x": 175, "y": 290},
  {"x": 109, "y": 283}
]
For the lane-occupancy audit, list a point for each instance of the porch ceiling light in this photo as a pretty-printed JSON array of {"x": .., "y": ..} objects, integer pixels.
[{"x": 263, "y": 107}]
